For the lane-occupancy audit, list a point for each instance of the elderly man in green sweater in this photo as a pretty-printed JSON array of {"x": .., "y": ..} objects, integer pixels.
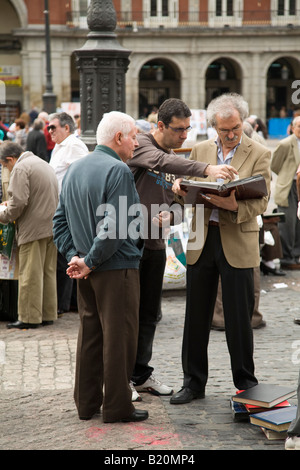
[{"x": 101, "y": 241}]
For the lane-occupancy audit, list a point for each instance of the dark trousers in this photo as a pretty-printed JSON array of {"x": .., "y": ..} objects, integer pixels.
[
  {"x": 64, "y": 284},
  {"x": 152, "y": 268},
  {"x": 294, "y": 429},
  {"x": 238, "y": 304},
  {"x": 108, "y": 304},
  {"x": 290, "y": 229}
]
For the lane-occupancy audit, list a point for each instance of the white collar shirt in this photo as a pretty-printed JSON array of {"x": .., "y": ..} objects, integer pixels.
[
  {"x": 220, "y": 161},
  {"x": 64, "y": 154}
]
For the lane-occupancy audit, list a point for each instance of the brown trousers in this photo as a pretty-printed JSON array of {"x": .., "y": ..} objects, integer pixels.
[{"x": 108, "y": 305}]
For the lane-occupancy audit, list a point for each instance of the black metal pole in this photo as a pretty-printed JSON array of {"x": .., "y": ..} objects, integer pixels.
[
  {"x": 49, "y": 87},
  {"x": 49, "y": 99}
]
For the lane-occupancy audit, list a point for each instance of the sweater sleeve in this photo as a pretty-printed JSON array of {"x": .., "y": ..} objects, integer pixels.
[
  {"x": 61, "y": 233},
  {"x": 18, "y": 191},
  {"x": 148, "y": 156}
]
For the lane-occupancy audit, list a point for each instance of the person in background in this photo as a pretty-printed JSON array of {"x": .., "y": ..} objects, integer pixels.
[
  {"x": 20, "y": 133},
  {"x": 36, "y": 141},
  {"x": 285, "y": 162},
  {"x": 49, "y": 142},
  {"x": 68, "y": 148},
  {"x": 292, "y": 441},
  {"x": 33, "y": 199}
]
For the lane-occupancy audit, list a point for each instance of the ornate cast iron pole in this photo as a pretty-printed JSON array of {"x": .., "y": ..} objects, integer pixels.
[{"x": 102, "y": 63}]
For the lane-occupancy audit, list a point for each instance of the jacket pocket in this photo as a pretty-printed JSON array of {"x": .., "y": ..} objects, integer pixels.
[{"x": 249, "y": 226}]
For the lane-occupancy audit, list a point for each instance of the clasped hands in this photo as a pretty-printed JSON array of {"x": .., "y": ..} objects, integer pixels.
[
  {"x": 77, "y": 268},
  {"x": 216, "y": 171}
]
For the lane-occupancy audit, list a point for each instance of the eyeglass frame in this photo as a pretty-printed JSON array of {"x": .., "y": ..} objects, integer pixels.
[
  {"x": 51, "y": 128},
  {"x": 179, "y": 130},
  {"x": 235, "y": 130}
]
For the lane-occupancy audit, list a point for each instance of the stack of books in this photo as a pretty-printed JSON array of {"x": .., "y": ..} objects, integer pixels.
[{"x": 266, "y": 406}]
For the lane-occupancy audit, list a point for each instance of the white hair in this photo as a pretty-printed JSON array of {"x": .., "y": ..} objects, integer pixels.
[
  {"x": 295, "y": 120},
  {"x": 111, "y": 123},
  {"x": 225, "y": 105}
]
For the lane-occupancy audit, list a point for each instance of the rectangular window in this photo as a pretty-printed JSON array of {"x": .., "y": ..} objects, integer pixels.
[
  {"x": 153, "y": 11},
  {"x": 218, "y": 7},
  {"x": 280, "y": 9},
  {"x": 229, "y": 8},
  {"x": 165, "y": 7},
  {"x": 292, "y": 7}
]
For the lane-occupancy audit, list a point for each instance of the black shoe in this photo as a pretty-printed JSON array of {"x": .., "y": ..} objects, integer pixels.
[
  {"x": 47, "y": 323},
  {"x": 21, "y": 326},
  {"x": 267, "y": 270},
  {"x": 297, "y": 321},
  {"x": 217, "y": 328},
  {"x": 262, "y": 324},
  {"x": 61, "y": 312},
  {"x": 185, "y": 395},
  {"x": 137, "y": 415}
]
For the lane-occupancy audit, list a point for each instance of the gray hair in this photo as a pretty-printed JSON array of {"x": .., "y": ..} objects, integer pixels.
[
  {"x": 224, "y": 105},
  {"x": 10, "y": 149},
  {"x": 111, "y": 123},
  {"x": 64, "y": 119},
  {"x": 248, "y": 129},
  {"x": 295, "y": 120},
  {"x": 38, "y": 124}
]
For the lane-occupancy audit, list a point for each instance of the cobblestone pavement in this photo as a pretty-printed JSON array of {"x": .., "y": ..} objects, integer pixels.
[{"x": 37, "y": 411}]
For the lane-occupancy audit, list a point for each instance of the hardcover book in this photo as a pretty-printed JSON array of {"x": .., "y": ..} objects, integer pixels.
[
  {"x": 253, "y": 187},
  {"x": 265, "y": 395},
  {"x": 277, "y": 420}
]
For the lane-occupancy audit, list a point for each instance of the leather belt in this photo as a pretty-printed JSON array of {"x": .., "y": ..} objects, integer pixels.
[{"x": 214, "y": 223}]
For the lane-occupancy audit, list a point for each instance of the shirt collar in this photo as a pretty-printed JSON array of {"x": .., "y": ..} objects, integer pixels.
[{"x": 220, "y": 149}]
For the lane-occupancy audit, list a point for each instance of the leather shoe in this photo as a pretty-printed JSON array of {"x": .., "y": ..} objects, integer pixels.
[
  {"x": 21, "y": 326},
  {"x": 267, "y": 270},
  {"x": 297, "y": 321},
  {"x": 262, "y": 324},
  {"x": 61, "y": 312},
  {"x": 47, "y": 322},
  {"x": 217, "y": 328},
  {"x": 136, "y": 415},
  {"x": 185, "y": 395}
]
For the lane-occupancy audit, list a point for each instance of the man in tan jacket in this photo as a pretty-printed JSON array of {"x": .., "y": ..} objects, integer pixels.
[
  {"x": 285, "y": 162},
  {"x": 33, "y": 198},
  {"x": 230, "y": 249}
]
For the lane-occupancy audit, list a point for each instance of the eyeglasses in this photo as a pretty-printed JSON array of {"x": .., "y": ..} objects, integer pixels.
[
  {"x": 51, "y": 128},
  {"x": 180, "y": 130},
  {"x": 227, "y": 131}
]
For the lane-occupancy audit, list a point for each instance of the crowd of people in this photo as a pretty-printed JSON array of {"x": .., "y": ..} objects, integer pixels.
[{"x": 73, "y": 230}]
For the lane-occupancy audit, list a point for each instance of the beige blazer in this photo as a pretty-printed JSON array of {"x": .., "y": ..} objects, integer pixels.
[
  {"x": 33, "y": 198},
  {"x": 285, "y": 161},
  {"x": 239, "y": 230}
]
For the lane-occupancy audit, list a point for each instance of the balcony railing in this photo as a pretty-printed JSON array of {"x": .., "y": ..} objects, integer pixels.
[{"x": 135, "y": 20}]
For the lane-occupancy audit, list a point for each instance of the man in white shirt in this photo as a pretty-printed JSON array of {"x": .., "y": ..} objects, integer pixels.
[{"x": 68, "y": 148}]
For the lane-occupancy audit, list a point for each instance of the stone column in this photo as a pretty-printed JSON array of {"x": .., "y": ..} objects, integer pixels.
[{"x": 102, "y": 63}]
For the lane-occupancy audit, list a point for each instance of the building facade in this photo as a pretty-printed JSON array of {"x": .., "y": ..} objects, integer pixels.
[{"x": 190, "y": 49}]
